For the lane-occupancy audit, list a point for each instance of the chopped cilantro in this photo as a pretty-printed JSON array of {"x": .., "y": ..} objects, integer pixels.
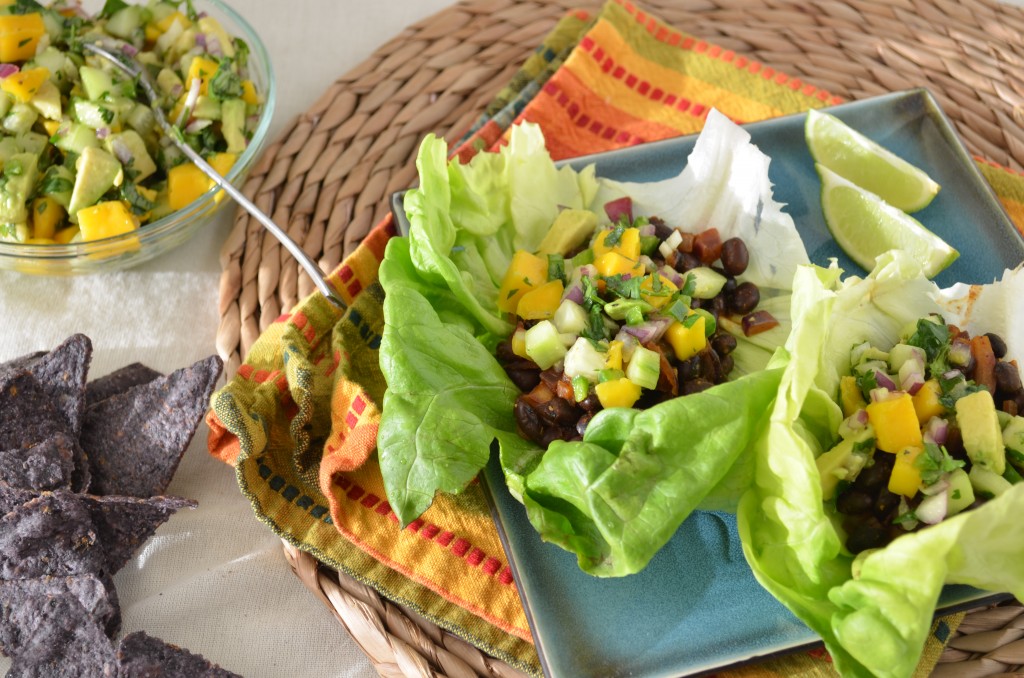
[
  {"x": 689, "y": 285},
  {"x": 676, "y": 310},
  {"x": 934, "y": 462},
  {"x": 627, "y": 288},
  {"x": 556, "y": 267},
  {"x": 225, "y": 83},
  {"x": 867, "y": 382},
  {"x": 139, "y": 203},
  {"x": 112, "y": 7},
  {"x": 691, "y": 320},
  {"x": 614, "y": 236},
  {"x": 908, "y": 517}
]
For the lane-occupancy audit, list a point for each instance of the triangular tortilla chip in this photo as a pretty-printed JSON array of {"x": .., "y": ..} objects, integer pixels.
[
  {"x": 118, "y": 381},
  {"x": 48, "y": 465},
  {"x": 141, "y": 655}
]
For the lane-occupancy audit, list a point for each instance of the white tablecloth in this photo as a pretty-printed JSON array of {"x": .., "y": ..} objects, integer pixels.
[{"x": 213, "y": 580}]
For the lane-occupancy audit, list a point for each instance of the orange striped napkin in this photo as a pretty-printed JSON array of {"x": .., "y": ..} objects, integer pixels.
[{"x": 299, "y": 420}]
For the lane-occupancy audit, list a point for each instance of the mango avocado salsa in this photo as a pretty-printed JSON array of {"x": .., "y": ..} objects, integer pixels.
[{"x": 81, "y": 154}]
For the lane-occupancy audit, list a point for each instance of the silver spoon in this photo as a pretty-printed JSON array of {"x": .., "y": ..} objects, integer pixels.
[{"x": 132, "y": 68}]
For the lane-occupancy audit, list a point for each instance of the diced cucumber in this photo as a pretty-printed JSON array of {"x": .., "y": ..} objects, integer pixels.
[
  {"x": 141, "y": 119},
  {"x": 57, "y": 182},
  {"x": 125, "y": 22},
  {"x": 207, "y": 108},
  {"x": 707, "y": 282},
  {"x": 583, "y": 360},
  {"x": 901, "y": 353},
  {"x": 47, "y": 101},
  {"x": 8, "y": 147},
  {"x": 160, "y": 11},
  {"x": 960, "y": 491},
  {"x": 570, "y": 317},
  {"x": 644, "y": 367},
  {"x": 620, "y": 308},
  {"x": 233, "y": 124},
  {"x": 987, "y": 484},
  {"x": 1011, "y": 475},
  {"x": 20, "y": 118},
  {"x": 865, "y": 352},
  {"x": 1013, "y": 439},
  {"x": 169, "y": 82},
  {"x": 710, "y": 324},
  {"x": 73, "y": 137},
  {"x": 5, "y": 103},
  {"x": 544, "y": 345},
  {"x": 92, "y": 114},
  {"x": 96, "y": 82}
]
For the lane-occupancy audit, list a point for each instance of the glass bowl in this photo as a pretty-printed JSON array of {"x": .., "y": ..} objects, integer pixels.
[{"x": 160, "y": 236}]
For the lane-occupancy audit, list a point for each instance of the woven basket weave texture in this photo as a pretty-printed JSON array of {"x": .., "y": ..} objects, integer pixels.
[{"x": 328, "y": 177}]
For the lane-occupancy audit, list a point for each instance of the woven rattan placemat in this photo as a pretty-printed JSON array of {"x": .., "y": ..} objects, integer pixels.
[{"x": 328, "y": 177}]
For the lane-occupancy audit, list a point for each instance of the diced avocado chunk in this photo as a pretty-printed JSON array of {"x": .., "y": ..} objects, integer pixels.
[
  {"x": 901, "y": 353},
  {"x": 96, "y": 82},
  {"x": 232, "y": 124},
  {"x": 97, "y": 172},
  {"x": 130, "y": 143},
  {"x": 17, "y": 183},
  {"x": 47, "y": 101},
  {"x": 1013, "y": 440},
  {"x": 865, "y": 353},
  {"x": 62, "y": 70},
  {"x": 125, "y": 22},
  {"x": 842, "y": 463},
  {"x": 207, "y": 108},
  {"x": 987, "y": 484},
  {"x": 960, "y": 491},
  {"x": 20, "y": 118},
  {"x": 58, "y": 182},
  {"x": 707, "y": 282},
  {"x": 570, "y": 229},
  {"x": 979, "y": 425}
]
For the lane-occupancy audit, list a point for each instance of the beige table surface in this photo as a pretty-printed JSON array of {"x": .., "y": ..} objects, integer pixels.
[{"x": 213, "y": 580}]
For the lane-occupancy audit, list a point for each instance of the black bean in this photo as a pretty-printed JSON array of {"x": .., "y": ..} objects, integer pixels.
[
  {"x": 876, "y": 474},
  {"x": 885, "y": 503},
  {"x": 528, "y": 421},
  {"x": 710, "y": 365},
  {"x": 723, "y": 343},
  {"x": 730, "y": 286},
  {"x": 591, "y": 402},
  {"x": 717, "y": 307},
  {"x": 745, "y": 298},
  {"x": 1007, "y": 377},
  {"x": 690, "y": 369},
  {"x": 696, "y": 386},
  {"x": 735, "y": 256},
  {"x": 998, "y": 345},
  {"x": 661, "y": 229},
  {"x": 557, "y": 411},
  {"x": 686, "y": 261},
  {"x": 505, "y": 353},
  {"x": 864, "y": 535},
  {"x": 581, "y": 425},
  {"x": 554, "y": 433},
  {"x": 524, "y": 379},
  {"x": 853, "y": 503},
  {"x": 727, "y": 363}
]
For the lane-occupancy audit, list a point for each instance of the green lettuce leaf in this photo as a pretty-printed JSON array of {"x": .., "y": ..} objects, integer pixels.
[{"x": 874, "y": 624}]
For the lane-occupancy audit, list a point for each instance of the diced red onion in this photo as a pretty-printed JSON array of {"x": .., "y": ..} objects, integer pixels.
[
  {"x": 649, "y": 331},
  {"x": 201, "y": 40},
  {"x": 908, "y": 525},
  {"x": 646, "y": 262},
  {"x": 201, "y": 15},
  {"x": 862, "y": 416},
  {"x": 198, "y": 125},
  {"x": 884, "y": 381},
  {"x": 880, "y": 395},
  {"x": 573, "y": 293},
  {"x": 913, "y": 383},
  {"x": 647, "y": 229},
  {"x": 959, "y": 352},
  {"x": 671, "y": 275},
  {"x": 936, "y": 431},
  {"x": 129, "y": 50},
  {"x": 213, "y": 46},
  {"x": 933, "y": 509},
  {"x": 952, "y": 374},
  {"x": 190, "y": 100},
  {"x": 616, "y": 208},
  {"x": 7, "y": 70},
  {"x": 587, "y": 271},
  {"x": 122, "y": 152},
  {"x": 941, "y": 485},
  {"x": 103, "y": 133}
]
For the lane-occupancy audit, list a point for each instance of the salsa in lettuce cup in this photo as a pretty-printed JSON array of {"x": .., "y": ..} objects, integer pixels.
[
  {"x": 615, "y": 497},
  {"x": 873, "y": 610}
]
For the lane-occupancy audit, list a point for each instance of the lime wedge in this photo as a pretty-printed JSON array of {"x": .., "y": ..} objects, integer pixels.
[
  {"x": 860, "y": 160},
  {"x": 865, "y": 226}
]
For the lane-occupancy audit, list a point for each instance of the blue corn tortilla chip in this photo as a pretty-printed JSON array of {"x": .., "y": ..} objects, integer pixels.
[
  {"x": 63, "y": 533},
  {"x": 140, "y": 655},
  {"x": 50, "y": 629},
  {"x": 48, "y": 465},
  {"x": 135, "y": 440},
  {"x": 119, "y": 381},
  {"x": 62, "y": 374},
  {"x": 20, "y": 363},
  {"x": 13, "y": 497},
  {"x": 29, "y": 416},
  {"x": 96, "y": 594}
]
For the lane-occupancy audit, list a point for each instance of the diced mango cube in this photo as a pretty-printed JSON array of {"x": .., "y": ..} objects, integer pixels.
[
  {"x": 541, "y": 302},
  {"x": 203, "y": 69},
  {"x": 619, "y": 392},
  {"x": 66, "y": 235},
  {"x": 23, "y": 85},
  {"x": 519, "y": 343},
  {"x": 687, "y": 341},
  {"x": 614, "y": 263},
  {"x": 526, "y": 272},
  {"x": 51, "y": 126},
  {"x": 905, "y": 478},
  {"x": 249, "y": 94},
  {"x": 613, "y": 359},
  {"x": 926, "y": 402},
  {"x": 850, "y": 396},
  {"x": 152, "y": 33},
  {"x": 895, "y": 423},
  {"x": 665, "y": 291},
  {"x": 19, "y": 36},
  {"x": 106, "y": 219},
  {"x": 222, "y": 162},
  {"x": 166, "y": 22},
  {"x": 185, "y": 183},
  {"x": 47, "y": 213},
  {"x": 628, "y": 244}
]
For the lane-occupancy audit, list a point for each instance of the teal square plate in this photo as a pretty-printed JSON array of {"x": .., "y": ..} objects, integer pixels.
[{"x": 697, "y": 608}]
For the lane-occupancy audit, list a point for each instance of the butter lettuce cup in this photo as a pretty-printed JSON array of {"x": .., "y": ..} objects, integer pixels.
[
  {"x": 890, "y": 466},
  {"x": 516, "y": 265}
]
